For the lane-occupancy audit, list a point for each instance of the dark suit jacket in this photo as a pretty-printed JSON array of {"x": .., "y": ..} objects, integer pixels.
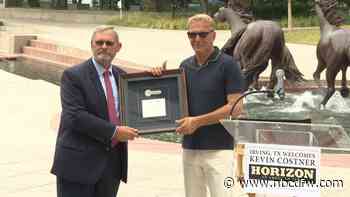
[{"x": 83, "y": 145}]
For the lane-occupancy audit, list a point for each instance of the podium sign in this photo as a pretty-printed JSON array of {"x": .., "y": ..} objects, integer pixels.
[
  {"x": 152, "y": 104},
  {"x": 283, "y": 157},
  {"x": 286, "y": 133},
  {"x": 282, "y": 169}
]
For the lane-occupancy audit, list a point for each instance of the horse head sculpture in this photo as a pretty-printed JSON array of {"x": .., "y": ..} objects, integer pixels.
[
  {"x": 254, "y": 44},
  {"x": 333, "y": 48}
]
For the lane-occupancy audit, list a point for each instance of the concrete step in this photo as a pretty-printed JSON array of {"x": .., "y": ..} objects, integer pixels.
[
  {"x": 33, "y": 60},
  {"x": 7, "y": 56},
  {"x": 52, "y": 55},
  {"x": 43, "y": 45},
  {"x": 48, "y": 49},
  {"x": 54, "y": 47}
]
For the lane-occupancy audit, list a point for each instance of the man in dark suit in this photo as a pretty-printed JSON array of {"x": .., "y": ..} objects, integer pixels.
[{"x": 91, "y": 148}]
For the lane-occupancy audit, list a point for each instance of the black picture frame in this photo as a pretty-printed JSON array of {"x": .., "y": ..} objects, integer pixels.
[{"x": 152, "y": 104}]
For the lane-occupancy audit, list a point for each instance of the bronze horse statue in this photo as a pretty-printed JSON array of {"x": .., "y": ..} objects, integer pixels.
[
  {"x": 333, "y": 48},
  {"x": 254, "y": 44}
]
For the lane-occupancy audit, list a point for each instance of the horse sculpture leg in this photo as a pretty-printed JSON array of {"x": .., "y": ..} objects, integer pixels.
[
  {"x": 248, "y": 79},
  {"x": 321, "y": 64},
  {"x": 273, "y": 78},
  {"x": 319, "y": 69},
  {"x": 344, "y": 91},
  {"x": 251, "y": 77},
  {"x": 272, "y": 82},
  {"x": 331, "y": 73},
  {"x": 257, "y": 73}
]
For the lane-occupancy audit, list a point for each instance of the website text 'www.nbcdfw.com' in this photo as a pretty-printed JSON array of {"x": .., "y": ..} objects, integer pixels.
[{"x": 323, "y": 183}]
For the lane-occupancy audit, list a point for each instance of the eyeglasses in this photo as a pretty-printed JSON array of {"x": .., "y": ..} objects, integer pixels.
[
  {"x": 202, "y": 34},
  {"x": 102, "y": 42}
]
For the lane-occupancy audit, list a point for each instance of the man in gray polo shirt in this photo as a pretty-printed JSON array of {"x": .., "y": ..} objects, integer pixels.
[{"x": 214, "y": 83}]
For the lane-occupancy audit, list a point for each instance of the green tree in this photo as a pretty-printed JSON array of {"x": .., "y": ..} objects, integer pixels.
[
  {"x": 205, "y": 6},
  {"x": 272, "y": 9},
  {"x": 157, "y": 5},
  {"x": 78, "y": 3},
  {"x": 59, "y": 4},
  {"x": 345, "y": 1},
  {"x": 34, "y": 3},
  {"x": 14, "y": 3}
]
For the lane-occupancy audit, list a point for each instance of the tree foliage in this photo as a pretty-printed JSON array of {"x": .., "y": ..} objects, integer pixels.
[
  {"x": 157, "y": 5},
  {"x": 34, "y": 3},
  {"x": 59, "y": 4},
  {"x": 278, "y": 8}
]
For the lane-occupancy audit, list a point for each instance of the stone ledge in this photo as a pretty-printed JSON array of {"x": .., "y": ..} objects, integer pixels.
[
  {"x": 51, "y": 55},
  {"x": 7, "y": 56},
  {"x": 82, "y": 55},
  {"x": 43, "y": 45},
  {"x": 72, "y": 16},
  {"x": 52, "y": 46}
]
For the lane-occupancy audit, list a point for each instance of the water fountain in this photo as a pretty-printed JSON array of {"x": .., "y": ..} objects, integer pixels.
[
  {"x": 303, "y": 99},
  {"x": 297, "y": 118}
]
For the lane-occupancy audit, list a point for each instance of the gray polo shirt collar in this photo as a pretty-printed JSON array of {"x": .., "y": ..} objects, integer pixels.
[{"x": 212, "y": 58}]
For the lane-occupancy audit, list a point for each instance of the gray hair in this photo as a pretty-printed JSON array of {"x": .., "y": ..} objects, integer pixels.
[
  {"x": 104, "y": 28},
  {"x": 201, "y": 17}
]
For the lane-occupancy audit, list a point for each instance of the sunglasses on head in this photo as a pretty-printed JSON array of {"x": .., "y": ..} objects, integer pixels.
[
  {"x": 202, "y": 34},
  {"x": 102, "y": 42}
]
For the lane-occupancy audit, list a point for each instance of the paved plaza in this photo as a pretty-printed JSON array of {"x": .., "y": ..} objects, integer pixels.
[
  {"x": 29, "y": 117},
  {"x": 149, "y": 47}
]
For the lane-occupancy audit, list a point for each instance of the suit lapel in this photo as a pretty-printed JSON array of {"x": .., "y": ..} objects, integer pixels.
[
  {"x": 116, "y": 74},
  {"x": 101, "y": 98},
  {"x": 116, "y": 77}
]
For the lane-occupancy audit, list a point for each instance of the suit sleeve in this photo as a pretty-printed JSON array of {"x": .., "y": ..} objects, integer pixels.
[{"x": 76, "y": 114}]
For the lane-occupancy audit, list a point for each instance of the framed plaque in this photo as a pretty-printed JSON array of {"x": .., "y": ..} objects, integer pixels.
[{"x": 152, "y": 104}]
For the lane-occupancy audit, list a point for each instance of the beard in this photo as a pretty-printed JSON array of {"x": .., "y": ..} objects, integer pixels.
[{"x": 104, "y": 58}]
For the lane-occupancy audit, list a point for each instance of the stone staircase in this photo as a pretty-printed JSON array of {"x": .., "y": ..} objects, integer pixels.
[
  {"x": 64, "y": 56},
  {"x": 6, "y": 56}
]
